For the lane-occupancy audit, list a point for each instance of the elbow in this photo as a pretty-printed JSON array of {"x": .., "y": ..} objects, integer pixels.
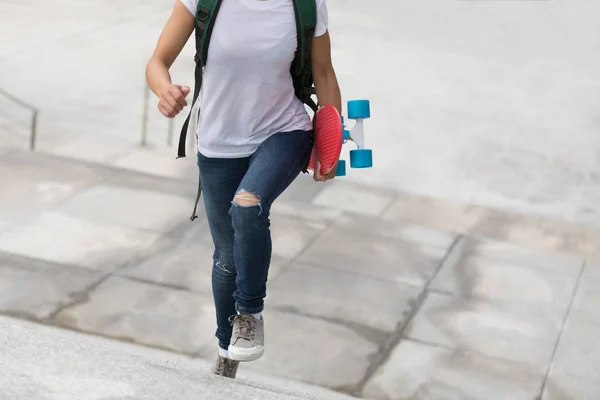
[
  {"x": 147, "y": 71},
  {"x": 150, "y": 66}
]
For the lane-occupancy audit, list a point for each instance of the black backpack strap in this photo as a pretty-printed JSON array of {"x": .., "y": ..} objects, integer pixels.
[
  {"x": 184, "y": 128},
  {"x": 206, "y": 15},
  {"x": 306, "y": 22}
]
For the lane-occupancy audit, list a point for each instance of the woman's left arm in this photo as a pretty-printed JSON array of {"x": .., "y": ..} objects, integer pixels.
[{"x": 326, "y": 84}]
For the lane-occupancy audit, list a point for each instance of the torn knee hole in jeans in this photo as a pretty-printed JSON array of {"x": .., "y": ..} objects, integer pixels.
[{"x": 243, "y": 198}]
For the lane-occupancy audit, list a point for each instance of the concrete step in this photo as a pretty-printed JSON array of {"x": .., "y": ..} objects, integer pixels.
[
  {"x": 45, "y": 363},
  {"x": 103, "y": 249}
]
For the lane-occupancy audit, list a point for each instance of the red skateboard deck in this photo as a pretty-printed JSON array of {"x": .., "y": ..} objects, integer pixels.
[{"x": 328, "y": 138}]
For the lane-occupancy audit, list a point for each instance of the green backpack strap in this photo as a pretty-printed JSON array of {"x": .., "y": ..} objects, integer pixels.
[
  {"x": 306, "y": 23},
  {"x": 206, "y": 15}
]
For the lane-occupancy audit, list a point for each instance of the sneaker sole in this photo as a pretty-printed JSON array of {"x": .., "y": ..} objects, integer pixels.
[{"x": 245, "y": 355}]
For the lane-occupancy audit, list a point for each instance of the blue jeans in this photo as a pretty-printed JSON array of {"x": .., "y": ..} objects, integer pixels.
[{"x": 241, "y": 234}]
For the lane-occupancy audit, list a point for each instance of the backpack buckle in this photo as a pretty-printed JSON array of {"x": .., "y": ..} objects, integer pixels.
[{"x": 203, "y": 14}]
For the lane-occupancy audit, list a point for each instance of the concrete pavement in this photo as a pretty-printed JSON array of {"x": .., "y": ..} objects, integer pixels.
[
  {"x": 360, "y": 299},
  {"x": 463, "y": 267}
]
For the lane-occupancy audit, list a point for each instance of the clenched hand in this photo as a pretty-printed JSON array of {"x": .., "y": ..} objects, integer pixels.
[
  {"x": 172, "y": 100},
  {"x": 324, "y": 177}
]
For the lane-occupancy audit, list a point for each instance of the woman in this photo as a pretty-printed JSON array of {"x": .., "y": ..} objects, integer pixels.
[{"x": 254, "y": 138}]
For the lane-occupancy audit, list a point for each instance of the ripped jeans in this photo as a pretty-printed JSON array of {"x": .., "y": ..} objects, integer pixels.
[{"x": 241, "y": 234}]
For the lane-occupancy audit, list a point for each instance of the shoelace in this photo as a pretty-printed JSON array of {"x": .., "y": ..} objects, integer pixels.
[
  {"x": 221, "y": 366},
  {"x": 225, "y": 367},
  {"x": 246, "y": 327}
]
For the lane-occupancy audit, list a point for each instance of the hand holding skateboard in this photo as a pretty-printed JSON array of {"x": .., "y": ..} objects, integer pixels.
[{"x": 330, "y": 135}]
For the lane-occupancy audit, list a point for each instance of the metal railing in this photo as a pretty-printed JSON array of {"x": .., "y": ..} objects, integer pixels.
[
  {"x": 34, "y": 117},
  {"x": 145, "y": 117}
]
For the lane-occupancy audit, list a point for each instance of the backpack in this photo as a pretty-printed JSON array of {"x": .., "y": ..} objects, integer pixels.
[{"x": 301, "y": 69}]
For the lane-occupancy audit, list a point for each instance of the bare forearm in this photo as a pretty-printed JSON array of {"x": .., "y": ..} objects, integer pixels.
[
  {"x": 328, "y": 90},
  {"x": 157, "y": 76}
]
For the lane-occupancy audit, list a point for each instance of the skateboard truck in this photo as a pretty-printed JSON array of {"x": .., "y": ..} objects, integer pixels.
[{"x": 361, "y": 157}]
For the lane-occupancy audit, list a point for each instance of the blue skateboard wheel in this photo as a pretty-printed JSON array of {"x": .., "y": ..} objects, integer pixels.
[
  {"x": 358, "y": 109},
  {"x": 361, "y": 158},
  {"x": 346, "y": 135},
  {"x": 341, "y": 168}
]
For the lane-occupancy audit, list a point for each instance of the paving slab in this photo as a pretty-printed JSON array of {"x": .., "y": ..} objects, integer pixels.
[
  {"x": 578, "y": 352},
  {"x": 417, "y": 371},
  {"x": 565, "y": 263},
  {"x": 373, "y": 306},
  {"x": 148, "y": 314},
  {"x": 509, "y": 331},
  {"x": 384, "y": 258},
  {"x": 347, "y": 197},
  {"x": 585, "y": 304},
  {"x": 303, "y": 189},
  {"x": 408, "y": 232},
  {"x": 531, "y": 174},
  {"x": 187, "y": 188},
  {"x": 37, "y": 184},
  {"x": 310, "y": 350},
  {"x": 36, "y": 289},
  {"x": 577, "y": 239},
  {"x": 59, "y": 238},
  {"x": 89, "y": 146},
  {"x": 492, "y": 279},
  {"x": 158, "y": 161},
  {"x": 132, "y": 208},
  {"x": 291, "y": 236},
  {"x": 567, "y": 387},
  {"x": 514, "y": 229},
  {"x": 305, "y": 210},
  {"x": 183, "y": 259},
  {"x": 43, "y": 167},
  {"x": 438, "y": 213},
  {"x": 588, "y": 212}
]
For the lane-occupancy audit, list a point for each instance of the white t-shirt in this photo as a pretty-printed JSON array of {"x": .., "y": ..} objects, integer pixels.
[{"x": 247, "y": 93}]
